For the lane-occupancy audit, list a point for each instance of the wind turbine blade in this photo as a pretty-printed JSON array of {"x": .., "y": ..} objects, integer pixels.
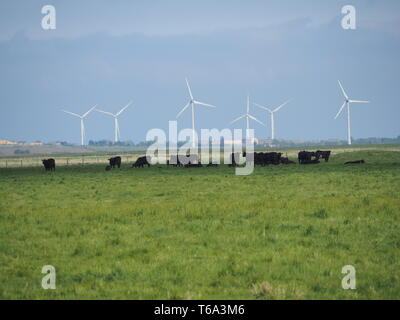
[
  {"x": 262, "y": 107},
  {"x": 204, "y": 104},
  {"x": 344, "y": 93},
  {"x": 248, "y": 104},
  {"x": 71, "y": 113},
  {"x": 255, "y": 119},
  {"x": 184, "y": 108},
  {"x": 283, "y": 104},
  {"x": 238, "y": 118},
  {"x": 89, "y": 111},
  {"x": 188, "y": 86},
  {"x": 123, "y": 109},
  {"x": 340, "y": 110},
  {"x": 359, "y": 101},
  {"x": 105, "y": 112}
]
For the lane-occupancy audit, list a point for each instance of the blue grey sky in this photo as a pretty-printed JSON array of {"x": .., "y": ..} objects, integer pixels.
[{"x": 111, "y": 52}]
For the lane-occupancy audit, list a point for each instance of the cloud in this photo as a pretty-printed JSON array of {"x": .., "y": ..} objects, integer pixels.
[{"x": 297, "y": 57}]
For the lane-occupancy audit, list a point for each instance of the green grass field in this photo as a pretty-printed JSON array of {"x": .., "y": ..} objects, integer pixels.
[{"x": 284, "y": 232}]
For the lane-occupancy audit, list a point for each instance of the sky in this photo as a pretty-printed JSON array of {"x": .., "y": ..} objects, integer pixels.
[{"x": 111, "y": 52}]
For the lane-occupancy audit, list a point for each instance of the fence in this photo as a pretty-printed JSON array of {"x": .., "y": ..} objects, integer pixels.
[
  {"x": 62, "y": 161},
  {"x": 36, "y": 161},
  {"x": 22, "y": 162}
]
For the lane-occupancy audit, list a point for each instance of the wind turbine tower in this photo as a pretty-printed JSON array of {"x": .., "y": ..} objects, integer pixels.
[
  {"x": 272, "y": 116},
  {"x": 346, "y": 104},
  {"x": 117, "y": 134},
  {"x": 192, "y": 103},
  {"x": 82, "y": 117},
  {"x": 248, "y": 116}
]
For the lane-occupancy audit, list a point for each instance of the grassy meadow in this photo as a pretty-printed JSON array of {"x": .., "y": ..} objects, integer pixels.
[{"x": 284, "y": 232}]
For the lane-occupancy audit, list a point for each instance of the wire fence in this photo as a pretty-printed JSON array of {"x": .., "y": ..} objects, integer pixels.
[
  {"x": 36, "y": 161},
  {"x": 22, "y": 162},
  {"x": 62, "y": 161}
]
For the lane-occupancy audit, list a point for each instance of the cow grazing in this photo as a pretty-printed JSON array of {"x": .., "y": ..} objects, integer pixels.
[
  {"x": 174, "y": 161},
  {"x": 115, "y": 161},
  {"x": 355, "y": 162},
  {"x": 323, "y": 154},
  {"x": 141, "y": 162},
  {"x": 235, "y": 157},
  {"x": 49, "y": 164},
  {"x": 273, "y": 158},
  {"x": 305, "y": 157},
  {"x": 192, "y": 161},
  {"x": 267, "y": 158}
]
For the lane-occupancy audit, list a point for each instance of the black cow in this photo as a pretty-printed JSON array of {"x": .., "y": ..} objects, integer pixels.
[
  {"x": 267, "y": 158},
  {"x": 115, "y": 161},
  {"x": 273, "y": 158},
  {"x": 259, "y": 158},
  {"x": 305, "y": 157},
  {"x": 192, "y": 159},
  {"x": 174, "y": 161},
  {"x": 323, "y": 154},
  {"x": 235, "y": 158},
  {"x": 141, "y": 162},
  {"x": 355, "y": 162},
  {"x": 49, "y": 164}
]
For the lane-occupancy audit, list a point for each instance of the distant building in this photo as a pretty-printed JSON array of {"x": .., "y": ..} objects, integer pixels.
[
  {"x": 6, "y": 142},
  {"x": 20, "y": 143}
]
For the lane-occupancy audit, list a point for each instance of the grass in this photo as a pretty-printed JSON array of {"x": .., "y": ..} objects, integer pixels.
[{"x": 284, "y": 232}]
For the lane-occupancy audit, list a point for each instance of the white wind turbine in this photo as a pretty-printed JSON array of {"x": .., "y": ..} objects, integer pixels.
[
  {"x": 117, "y": 134},
  {"x": 82, "y": 117},
  {"x": 248, "y": 116},
  {"x": 272, "y": 116},
  {"x": 192, "y": 102},
  {"x": 346, "y": 103}
]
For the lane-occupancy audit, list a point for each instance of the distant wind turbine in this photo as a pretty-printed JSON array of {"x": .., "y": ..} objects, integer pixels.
[
  {"x": 192, "y": 102},
  {"x": 82, "y": 117},
  {"x": 346, "y": 103},
  {"x": 248, "y": 116},
  {"x": 272, "y": 116},
  {"x": 117, "y": 134}
]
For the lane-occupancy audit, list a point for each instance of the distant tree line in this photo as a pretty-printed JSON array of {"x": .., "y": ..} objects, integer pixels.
[
  {"x": 281, "y": 143},
  {"x": 19, "y": 151},
  {"x": 361, "y": 141},
  {"x": 128, "y": 143},
  {"x": 377, "y": 140},
  {"x": 65, "y": 144}
]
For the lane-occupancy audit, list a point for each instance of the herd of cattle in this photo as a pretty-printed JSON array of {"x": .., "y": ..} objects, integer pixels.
[{"x": 191, "y": 161}]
